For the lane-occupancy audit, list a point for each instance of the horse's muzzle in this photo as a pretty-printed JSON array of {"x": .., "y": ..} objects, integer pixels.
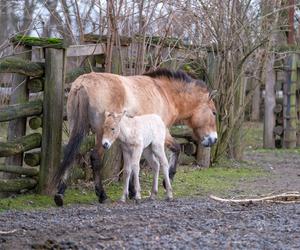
[{"x": 210, "y": 139}]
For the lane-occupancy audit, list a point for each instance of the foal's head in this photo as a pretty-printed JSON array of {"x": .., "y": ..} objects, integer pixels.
[
  {"x": 203, "y": 121},
  {"x": 111, "y": 128}
]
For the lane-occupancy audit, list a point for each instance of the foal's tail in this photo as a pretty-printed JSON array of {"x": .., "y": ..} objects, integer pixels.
[{"x": 78, "y": 117}]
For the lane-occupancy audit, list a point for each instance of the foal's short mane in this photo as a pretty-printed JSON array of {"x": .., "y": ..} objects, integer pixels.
[{"x": 176, "y": 75}]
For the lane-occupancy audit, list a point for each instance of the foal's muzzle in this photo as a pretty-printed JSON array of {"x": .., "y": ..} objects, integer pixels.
[{"x": 106, "y": 144}]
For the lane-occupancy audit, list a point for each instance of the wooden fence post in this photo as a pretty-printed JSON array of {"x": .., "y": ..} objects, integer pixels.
[
  {"x": 269, "y": 103},
  {"x": 17, "y": 127},
  {"x": 52, "y": 117},
  {"x": 290, "y": 115}
]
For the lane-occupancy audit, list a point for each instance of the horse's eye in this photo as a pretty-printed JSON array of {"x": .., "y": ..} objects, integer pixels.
[
  {"x": 214, "y": 113},
  {"x": 112, "y": 129}
]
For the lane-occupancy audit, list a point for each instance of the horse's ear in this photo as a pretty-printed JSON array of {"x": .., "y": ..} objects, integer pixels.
[{"x": 213, "y": 94}]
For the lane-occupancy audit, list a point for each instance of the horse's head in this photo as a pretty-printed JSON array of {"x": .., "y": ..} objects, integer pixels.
[
  {"x": 203, "y": 121},
  {"x": 111, "y": 128}
]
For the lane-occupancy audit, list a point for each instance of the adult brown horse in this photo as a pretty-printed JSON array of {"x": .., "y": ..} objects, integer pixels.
[{"x": 174, "y": 96}]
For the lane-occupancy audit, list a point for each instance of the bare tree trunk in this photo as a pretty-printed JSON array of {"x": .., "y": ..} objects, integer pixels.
[{"x": 255, "y": 110}]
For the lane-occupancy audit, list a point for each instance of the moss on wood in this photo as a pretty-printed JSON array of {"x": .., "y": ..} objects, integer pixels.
[
  {"x": 16, "y": 185},
  {"x": 49, "y": 42},
  {"x": 29, "y": 171},
  {"x": 20, "y": 145},
  {"x": 15, "y": 111},
  {"x": 20, "y": 66}
]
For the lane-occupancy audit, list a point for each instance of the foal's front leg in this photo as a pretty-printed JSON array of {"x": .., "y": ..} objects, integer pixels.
[
  {"x": 136, "y": 157},
  {"x": 127, "y": 173}
]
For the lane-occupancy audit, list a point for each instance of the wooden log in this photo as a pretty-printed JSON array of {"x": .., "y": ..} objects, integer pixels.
[
  {"x": 32, "y": 159},
  {"x": 52, "y": 117},
  {"x": 35, "y": 122},
  {"x": 23, "y": 67},
  {"x": 203, "y": 156},
  {"x": 16, "y": 185},
  {"x": 278, "y": 108},
  {"x": 36, "y": 85},
  {"x": 189, "y": 148},
  {"x": 19, "y": 170},
  {"x": 22, "y": 110},
  {"x": 19, "y": 96},
  {"x": 93, "y": 38},
  {"x": 278, "y": 130},
  {"x": 20, "y": 145},
  {"x": 185, "y": 159}
]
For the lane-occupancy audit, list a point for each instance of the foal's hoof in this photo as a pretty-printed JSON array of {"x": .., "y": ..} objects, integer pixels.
[
  {"x": 59, "y": 200},
  {"x": 138, "y": 201},
  {"x": 169, "y": 199}
]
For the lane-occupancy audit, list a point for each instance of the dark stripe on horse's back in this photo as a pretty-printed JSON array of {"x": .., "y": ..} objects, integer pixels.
[{"x": 176, "y": 75}]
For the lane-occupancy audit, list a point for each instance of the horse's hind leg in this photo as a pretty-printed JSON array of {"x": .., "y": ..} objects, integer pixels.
[
  {"x": 61, "y": 188},
  {"x": 175, "y": 151},
  {"x": 96, "y": 162}
]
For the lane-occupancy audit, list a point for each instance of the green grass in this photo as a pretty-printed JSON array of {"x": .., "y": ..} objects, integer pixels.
[{"x": 188, "y": 182}]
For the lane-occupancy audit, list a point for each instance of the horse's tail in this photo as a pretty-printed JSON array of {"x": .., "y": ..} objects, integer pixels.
[{"x": 79, "y": 123}]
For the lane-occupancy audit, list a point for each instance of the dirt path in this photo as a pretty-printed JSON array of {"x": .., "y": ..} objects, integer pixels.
[{"x": 191, "y": 223}]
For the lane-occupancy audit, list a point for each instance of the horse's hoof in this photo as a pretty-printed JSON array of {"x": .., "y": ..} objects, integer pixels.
[
  {"x": 59, "y": 200},
  {"x": 105, "y": 201}
]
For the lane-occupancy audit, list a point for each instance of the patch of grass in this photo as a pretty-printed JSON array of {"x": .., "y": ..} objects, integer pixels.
[
  {"x": 253, "y": 135},
  {"x": 188, "y": 182}
]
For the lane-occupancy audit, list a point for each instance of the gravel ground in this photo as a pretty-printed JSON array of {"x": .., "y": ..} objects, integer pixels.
[
  {"x": 190, "y": 223},
  {"x": 193, "y": 223}
]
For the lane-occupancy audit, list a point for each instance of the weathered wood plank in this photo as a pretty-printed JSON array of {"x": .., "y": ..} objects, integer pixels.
[
  {"x": 20, "y": 145},
  {"x": 16, "y": 111},
  {"x": 52, "y": 117},
  {"x": 16, "y": 185},
  {"x": 21, "y": 66},
  {"x": 29, "y": 171},
  {"x": 85, "y": 50}
]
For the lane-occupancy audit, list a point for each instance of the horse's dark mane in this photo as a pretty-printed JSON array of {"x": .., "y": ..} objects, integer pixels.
[{"x": 176, "y": 75}]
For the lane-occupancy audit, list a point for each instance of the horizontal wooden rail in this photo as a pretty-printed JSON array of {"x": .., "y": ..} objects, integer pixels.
[
  {"x": 29, "y": 171},
  {"x": 15, "y": 111},
  {"x": 27, "y": 68},
  {"x": 20, "y": 145},
  {"x": 85, "y": 50},
  {"x": 16, "y": 185}
]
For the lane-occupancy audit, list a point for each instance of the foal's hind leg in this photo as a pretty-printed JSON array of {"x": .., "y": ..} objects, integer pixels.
[
  {"x": 154, "y": 164},
  {"x": 96, "y": 162},
  {"x": 175, "y": 151},
  {"x": 159, "y": 152}
]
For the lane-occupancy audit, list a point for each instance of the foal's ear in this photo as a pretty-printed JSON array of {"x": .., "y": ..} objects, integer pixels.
[{"x": 213, "y": 94}]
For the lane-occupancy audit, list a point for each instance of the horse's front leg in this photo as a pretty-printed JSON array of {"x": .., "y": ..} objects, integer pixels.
[
  {"x": 174, "y": 147},
  {"x": 97, "y": 164}
]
